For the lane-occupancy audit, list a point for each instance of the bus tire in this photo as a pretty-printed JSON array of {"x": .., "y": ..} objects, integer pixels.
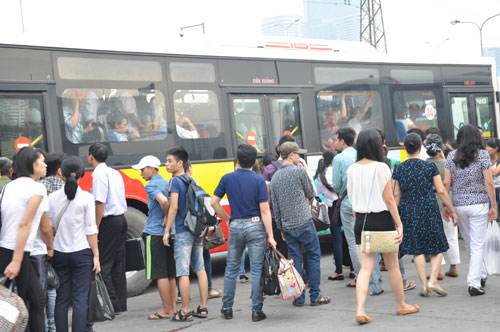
[{"x": 136, "y": 280}]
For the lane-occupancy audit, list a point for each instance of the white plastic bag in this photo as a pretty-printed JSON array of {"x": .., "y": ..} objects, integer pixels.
[{"x": 492, "y": 249}]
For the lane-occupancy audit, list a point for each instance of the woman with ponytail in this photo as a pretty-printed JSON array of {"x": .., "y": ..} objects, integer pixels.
[
  {"x": 76, "y": 255},
  {"x": 324, "y": 187}
]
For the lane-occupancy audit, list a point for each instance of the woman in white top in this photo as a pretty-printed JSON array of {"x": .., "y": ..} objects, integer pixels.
[
  {"x": 72, "y": 215},
  {"x": 21, "y": 211},
  {"x": 324, "y": 180},
  {"x": 370, "y": 192}
]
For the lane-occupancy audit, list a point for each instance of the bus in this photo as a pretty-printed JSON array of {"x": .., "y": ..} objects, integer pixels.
[{"x": 212, "y": 101}]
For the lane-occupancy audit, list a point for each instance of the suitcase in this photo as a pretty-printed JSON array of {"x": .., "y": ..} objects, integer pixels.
[{"x": 134, "y": 260}]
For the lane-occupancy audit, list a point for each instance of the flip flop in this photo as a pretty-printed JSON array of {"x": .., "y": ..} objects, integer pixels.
[
  {"x": 215, "y": 293},
  {"x": 410, "y": 284},
  {"x": 158, "y": 316}
]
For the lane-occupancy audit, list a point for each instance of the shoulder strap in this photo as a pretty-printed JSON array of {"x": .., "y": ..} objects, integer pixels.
[
  {"x": 186, "y": 181},
  {"x": 59, "y": 217},
  {"x": 369, "y": 197},
  {"x": 277, "y": 164},
  {"x": 339, "y": 201},
  {"x": 3, "y": 190}
]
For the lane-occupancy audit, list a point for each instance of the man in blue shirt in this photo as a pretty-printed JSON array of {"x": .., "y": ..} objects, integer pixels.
[
  {"x": 188, "y": 250},
  {"x": 160, "y": 263},
  {"x": 250, "y": 220}
]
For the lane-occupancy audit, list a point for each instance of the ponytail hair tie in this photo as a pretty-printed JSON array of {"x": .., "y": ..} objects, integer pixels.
[{"x": 73, "y": 174}]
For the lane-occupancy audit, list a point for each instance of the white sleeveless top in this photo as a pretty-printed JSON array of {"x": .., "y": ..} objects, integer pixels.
[{"x": 365, "y": 185}]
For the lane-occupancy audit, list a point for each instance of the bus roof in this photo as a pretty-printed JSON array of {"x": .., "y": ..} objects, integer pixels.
[{"x": 263, "y": 48}]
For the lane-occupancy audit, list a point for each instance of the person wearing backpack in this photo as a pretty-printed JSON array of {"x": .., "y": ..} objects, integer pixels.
[
  {"x": 188, "y": 249},
  {"x": 249, "y": 222}
]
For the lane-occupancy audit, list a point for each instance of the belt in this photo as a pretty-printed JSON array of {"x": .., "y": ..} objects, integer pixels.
[{"x": 253, "y": 219}]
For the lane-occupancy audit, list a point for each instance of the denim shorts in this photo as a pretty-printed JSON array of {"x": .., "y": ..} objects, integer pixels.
[{"x": 188, "y": 250}]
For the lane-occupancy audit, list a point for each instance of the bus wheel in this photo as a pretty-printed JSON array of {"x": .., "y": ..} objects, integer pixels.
[{"x": 136, "y": 280}]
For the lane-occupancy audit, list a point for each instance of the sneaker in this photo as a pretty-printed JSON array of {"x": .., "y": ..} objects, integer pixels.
[{"x": 243, "y": 278}]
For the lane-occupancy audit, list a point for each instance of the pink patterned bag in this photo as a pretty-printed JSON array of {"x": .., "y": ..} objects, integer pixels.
[{"x": 290, "y": 281}]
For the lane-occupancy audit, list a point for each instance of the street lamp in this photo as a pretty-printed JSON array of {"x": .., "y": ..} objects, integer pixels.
[
  {"x": 480, "y": 27},
  {"x": 202, "y": 25},
  {"x": 288, "y": 26}
]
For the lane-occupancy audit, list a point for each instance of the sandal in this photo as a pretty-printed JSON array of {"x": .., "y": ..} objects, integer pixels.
[
  {"x": 351, "y": 284},
  {"x": 213, "y": 293},
  {"x": 410, "y": 284},
  {"x": 322, "y": 300},
  {"x": 157, "y": 316},
  {"x": 182, "y": 317},
  {"x": 200, "y": 312}
]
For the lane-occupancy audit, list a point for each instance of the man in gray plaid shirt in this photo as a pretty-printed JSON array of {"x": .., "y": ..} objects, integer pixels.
[{"x": 291, "y": 191}]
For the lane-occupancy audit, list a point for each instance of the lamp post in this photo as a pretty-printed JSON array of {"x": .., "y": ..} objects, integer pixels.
[
  {"x": 480, "y": 27},
  {"x": 202, "y": 25},
  {"x": 288, "y": 26}
]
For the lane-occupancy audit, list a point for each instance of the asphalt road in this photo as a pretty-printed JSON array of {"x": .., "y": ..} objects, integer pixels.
[{"x": 455, "y": 312}]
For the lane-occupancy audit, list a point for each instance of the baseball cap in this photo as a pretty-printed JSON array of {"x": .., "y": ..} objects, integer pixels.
[
  {"x": 435, "y": 143},
  {"x": 289, "y": 147},
  {"x": 151, "y": 161}
]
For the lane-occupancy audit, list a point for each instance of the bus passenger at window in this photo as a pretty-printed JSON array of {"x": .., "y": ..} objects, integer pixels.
[
  {"x": 403, "y": 123},
  {"x": 73, "y": 119},
  {"x": 184, "y": 126},
  {"x": 118, "y": 128},
  {"x": 128, "y": 107},
  {"x": 358, "y": 121}
]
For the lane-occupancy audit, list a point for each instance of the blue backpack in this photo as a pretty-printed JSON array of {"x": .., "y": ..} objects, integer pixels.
[{"x": 200, "y": 215}]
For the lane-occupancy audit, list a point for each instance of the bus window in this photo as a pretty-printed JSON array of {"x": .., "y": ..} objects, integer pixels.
[
  {"x": 359, "y": 109},
  {"x": 249, "y": 122},
  {"x": 414, "y": 108},
  {"x": 286, "y": 118},
  {"x": 113, "y": 115},
  {"x": 196, "y": 114},
  {"x": 484, "y": 115},
  {"x": 20, "y": 116}
]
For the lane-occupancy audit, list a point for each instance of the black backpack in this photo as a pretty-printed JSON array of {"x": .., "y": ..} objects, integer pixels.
[
  {"x": 269, "y": 283},
  {"x": 200, "y": 215}
]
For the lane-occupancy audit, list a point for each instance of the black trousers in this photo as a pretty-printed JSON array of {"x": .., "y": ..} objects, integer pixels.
[
  {"x": 112, "y": 236},
  {"x": 29, "y": 289}
]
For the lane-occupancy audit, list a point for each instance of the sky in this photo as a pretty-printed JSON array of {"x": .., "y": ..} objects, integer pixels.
[{"x": 413, "y": 27}]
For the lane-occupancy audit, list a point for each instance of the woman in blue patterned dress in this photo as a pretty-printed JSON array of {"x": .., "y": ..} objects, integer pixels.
[{"x": 423, "y": 233}]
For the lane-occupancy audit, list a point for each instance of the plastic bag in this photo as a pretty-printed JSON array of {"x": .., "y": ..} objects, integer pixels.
[
  {"x": 52, "y": 278},
  {"x": 269, "y": 280},
  {"x": 492, "y": 249},
  {"x": 100, "y": 306}
]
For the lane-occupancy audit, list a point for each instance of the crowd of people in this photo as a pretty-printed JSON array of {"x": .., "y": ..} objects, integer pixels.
[{"x": 46, "y": 216}]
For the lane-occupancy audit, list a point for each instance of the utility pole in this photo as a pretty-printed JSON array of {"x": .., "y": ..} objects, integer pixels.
[{"x": 372, "y": 24}]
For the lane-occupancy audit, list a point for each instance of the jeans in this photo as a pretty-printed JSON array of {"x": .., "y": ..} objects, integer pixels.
[
  {"x": 336, "y": 232},
  {"x": 306, "y": 235},
  {"x": 375, "y": 284},
  {"x": 242, "y": 234},
  {"x": 51, "y": 305},
  {"x": 208, "y": 268},
  {"x": 242, "y": 264},
  {"x": 473, "y": 220},
  {"x": 402, "y": 270},
  {"x": 188, "y": 250},
  {"x": 348, "y": 223}
]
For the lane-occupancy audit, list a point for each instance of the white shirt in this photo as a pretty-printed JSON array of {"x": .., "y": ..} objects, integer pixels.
[
  {"x": 185, "y": 133},
  {"x": 17, "y": 195},
  {"x": 39, "y": 246},
  {"x": 108, "y": 188},
  {"x": 329, "y": 196},
  {"x": 365, "y": 185},
  {"x": 76, "y": 223}
]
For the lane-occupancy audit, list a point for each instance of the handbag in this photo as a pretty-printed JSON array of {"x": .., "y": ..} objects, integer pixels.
[
  {"x": 134, "y": 255},
  {"x": 336, "y": 220},
  {"x": 377, "y": 241},
  {"x": 214, "y": 239},
  {"x": 319, "y": 213},
  {"x": 269, "y": 284},
  {"x": 291, "y": 283},
  {"x": 13, "y": 313}
]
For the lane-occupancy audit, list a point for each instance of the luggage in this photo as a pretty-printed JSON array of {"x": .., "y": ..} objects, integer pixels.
[
  {"x": 134, "y": 260},
  {"x": 13, "y": 313}
]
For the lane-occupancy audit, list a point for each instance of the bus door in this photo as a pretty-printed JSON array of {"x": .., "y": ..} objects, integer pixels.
[
  {"x": 260, "y": 120},
  {"x": 21, "y": 121},
  {"x": 473, "y": 108}
]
